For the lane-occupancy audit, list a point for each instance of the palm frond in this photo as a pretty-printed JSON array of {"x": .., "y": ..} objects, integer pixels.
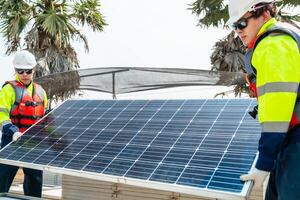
[
  {"x": 87, "y": 12},
  {"x": 210, "y": 12},
  {"x": 14, "y": 18},
  {"x": 48, "y": 28},
  {"x": 291, "y": 3}
]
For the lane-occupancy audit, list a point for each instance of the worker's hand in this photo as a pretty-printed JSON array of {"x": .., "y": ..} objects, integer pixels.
[
  {"x": 16, "y": 136},
  {"x": 257, "y": 176},
  {"x": 9, "y": 129}
]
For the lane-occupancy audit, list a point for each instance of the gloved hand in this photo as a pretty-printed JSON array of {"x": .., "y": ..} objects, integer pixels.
[
  {"x": 9, "y": 129},
  {"x": 16, "y": 136},
  {"x": 258, "y": 176}
]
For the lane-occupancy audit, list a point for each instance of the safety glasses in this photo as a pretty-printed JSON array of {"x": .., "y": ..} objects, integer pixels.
[
  {"x": 21, "y": 71},
  {"x": 242, "y": 23}
]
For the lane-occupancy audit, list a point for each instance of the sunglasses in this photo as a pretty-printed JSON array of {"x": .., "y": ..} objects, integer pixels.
[
  {"x": 21, "y": 71},
  {"x": 242, "y": 23}
]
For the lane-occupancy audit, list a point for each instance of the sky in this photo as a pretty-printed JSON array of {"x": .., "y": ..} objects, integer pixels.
[
  {"x": 143, "y": 33},
  {"x": 152, "y": 33}
]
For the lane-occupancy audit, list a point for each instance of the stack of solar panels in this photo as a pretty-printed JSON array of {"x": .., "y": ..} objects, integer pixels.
[{"x": 198, "y": 147}]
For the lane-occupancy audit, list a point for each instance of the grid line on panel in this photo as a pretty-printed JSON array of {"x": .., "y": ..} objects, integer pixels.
[
  {"x": 150, "y": 141},
  {"x": 177, "y": 138},
  {"x": 212, "y": 176},
  {"x": 27, "y": 140},
  {"x": 70, "y": 144},
  {"x": 109, "y": 142},
  {"x": 100, "y": 118},
  {"x": 200, "y": 145},
  {"x": 69, "y": 118},
  {"x": 142, "y": 129},
  {"x": 116, "y": 135},
  {"x": 159, "y": 133},
  {"x": 48, "y": 151},
  {"x": 70, "y": 155}
]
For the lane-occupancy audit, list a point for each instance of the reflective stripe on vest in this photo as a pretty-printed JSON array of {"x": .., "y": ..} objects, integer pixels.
[
  {"x": 27, "y": 109},
  {"x": 276, "y": 30},
  {"x": 4, "y": 110}
]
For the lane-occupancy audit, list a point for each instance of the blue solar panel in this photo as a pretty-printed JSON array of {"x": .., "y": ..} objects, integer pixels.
[{"x": 198, "y": 144}]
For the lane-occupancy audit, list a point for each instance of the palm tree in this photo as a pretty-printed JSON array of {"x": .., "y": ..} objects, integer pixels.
[
  {"x": 228, "y": 53},
  {"x": 47, "y": 28}
]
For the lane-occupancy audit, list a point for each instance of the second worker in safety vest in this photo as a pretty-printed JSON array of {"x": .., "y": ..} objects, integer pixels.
[{"x": 22, "y": 103}]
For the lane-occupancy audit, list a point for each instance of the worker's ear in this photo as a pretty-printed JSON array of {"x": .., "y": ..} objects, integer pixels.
[{"x": 266, "y": 15}]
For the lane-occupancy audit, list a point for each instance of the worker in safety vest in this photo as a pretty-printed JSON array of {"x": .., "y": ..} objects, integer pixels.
[
  {"x": 273, "y": 67},
  {"x": 22, "y": 103}
]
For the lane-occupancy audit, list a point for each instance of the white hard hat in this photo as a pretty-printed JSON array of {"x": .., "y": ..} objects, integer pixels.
[
  {"x": 237, "y": 8},
  {"x": 24, "y": 60}
]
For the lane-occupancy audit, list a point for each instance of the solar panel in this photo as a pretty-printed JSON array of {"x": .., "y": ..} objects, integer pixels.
[{"x": 198, "y": 147}]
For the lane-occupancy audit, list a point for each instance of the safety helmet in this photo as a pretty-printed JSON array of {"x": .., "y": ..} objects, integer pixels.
[
  {"x": 237, "y": 8},
  {"x": 24, "y": 60}
]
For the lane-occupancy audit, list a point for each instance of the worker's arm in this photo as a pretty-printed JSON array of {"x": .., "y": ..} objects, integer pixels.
[
  {"x": 9, "y": 131},
  {"x": 7, "y": 99}
]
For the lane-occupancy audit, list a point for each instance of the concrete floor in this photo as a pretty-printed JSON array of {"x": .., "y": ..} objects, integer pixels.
[{"x": 49, "y": 192}]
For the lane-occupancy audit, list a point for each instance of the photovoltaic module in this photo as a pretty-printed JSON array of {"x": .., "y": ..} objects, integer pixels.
[{"x": 198, "y": 147}]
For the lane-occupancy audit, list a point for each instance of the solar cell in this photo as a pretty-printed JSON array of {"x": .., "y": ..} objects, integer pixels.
[{"x": 200, "y": 147}]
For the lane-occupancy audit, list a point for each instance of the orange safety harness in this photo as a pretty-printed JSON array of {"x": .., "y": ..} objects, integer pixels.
[{"x": 27, "y": 109}]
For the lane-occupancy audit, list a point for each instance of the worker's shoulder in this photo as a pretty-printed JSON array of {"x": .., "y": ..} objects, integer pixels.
[
  {"x": 278, "y": 42},
  {"x": 8, "y": 85},
  {"x": 7, "y": 90}
]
